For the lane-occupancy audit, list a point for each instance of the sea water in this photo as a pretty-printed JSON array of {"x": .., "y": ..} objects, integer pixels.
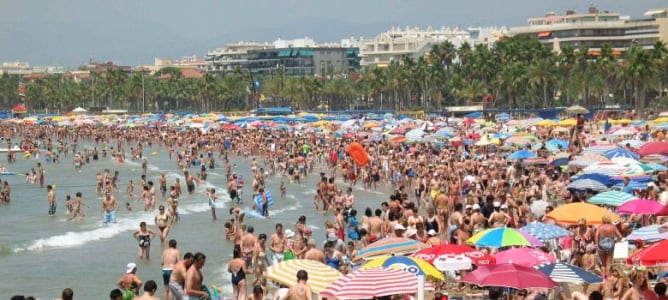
[{"x": 40, "y": 254}]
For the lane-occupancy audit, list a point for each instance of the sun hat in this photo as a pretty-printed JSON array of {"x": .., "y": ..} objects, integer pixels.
[
  {"x": 431, "y": 232},
  {"x": 130, "y": 267},
  {"x": 289, "y": 233},
  {"x": 399, "y": 227}
]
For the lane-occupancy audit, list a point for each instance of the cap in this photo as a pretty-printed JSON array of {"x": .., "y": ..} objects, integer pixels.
[
  {"x": 399, "y": 227},
  {"x": 651, "y": 184},
  {"x": 411, "y": 232},
  {"x": 504, "y": 206},
  {"x": 308, "y": 231},
  {"x": 497, "y": 203},
  {"x": 468, "y": 206},
  {"x": 289, "y": 233},
  {"x": 431, "y": 232},
  {"x": 476, "y": 206},
  {"x": 435, "y": 173},
  {"x": 332, "y": 237},
  {"x": 373, "y": 238},
  {"x": 130, "y": 267}
]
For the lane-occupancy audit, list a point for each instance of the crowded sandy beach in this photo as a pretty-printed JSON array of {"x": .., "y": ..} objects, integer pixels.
[{"x": 470, "y": 207}]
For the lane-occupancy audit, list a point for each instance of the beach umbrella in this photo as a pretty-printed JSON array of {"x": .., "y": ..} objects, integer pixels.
[
  {"x": 372, "y": 283},
  {"x": 602, "y": 178},
  {"x": 657, "y": 158},
  {"x": 536, "y": 161},
  {"x": 598, "y": 149},
  {"x": 640, "y": 207},
  {"x": 498, "y": 237},
  {"x": 553, "y": 145},
  {"x": 409, "y": 264},
  {"x": 453, "y": 257},
  {"x": 585, "y": 160},
  {"x": 571, "y": 214},
  {"x": 319, "y": 275},
  {"x": 561, "y": 159},
  {"x": 587, "y": 184},
  {"x": 390, "y": 246},
  {"x": 566, "y": 273},
  {"x": 524, "y": 256},
  {"x": 509, "y": 275},
  {"x": 653, "y": 148},
  {"x": 522, "y": 154},
  {"x": 544, "y": 231},
  {"x": 620, "y": 152},
  {"x": 533, "y": 241},
  {"x": 538, "y": 207},
  {"x": 611, "y": 198},
  {"x": 649, "y": 234},
  {"x": 576, "y": 109},
  {"x": 656, "y": 255}
]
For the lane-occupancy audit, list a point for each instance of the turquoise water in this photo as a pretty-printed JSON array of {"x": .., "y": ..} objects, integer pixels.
[{"x": 40, "y": 255}]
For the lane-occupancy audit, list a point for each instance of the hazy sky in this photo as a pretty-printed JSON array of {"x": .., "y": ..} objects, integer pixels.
[{"x": 132, "y": 32}]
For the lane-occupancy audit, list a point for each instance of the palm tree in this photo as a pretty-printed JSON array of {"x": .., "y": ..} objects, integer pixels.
[
  {"x": 639, "y": 69},
  {"x": 541, "y": 76}
]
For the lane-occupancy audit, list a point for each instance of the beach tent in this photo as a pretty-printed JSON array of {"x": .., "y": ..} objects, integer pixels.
[{"x": 79, "y": 110}]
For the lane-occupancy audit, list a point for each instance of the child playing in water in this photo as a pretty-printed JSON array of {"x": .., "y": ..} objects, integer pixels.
[
  {"x": 128, "y": 206},
  {"x": 131, "y": 189},
  {"x": 283, "y": 189}
]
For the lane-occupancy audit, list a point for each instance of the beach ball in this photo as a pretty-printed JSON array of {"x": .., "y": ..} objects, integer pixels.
[{"x": 154, "y": 153}]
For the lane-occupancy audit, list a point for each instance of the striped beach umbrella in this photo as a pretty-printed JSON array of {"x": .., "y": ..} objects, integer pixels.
[
  {"x": 620, "y": 152},
  {"x": 372, "y": 283},
  {"x": 544, "y": 231},
  {"x": 390, "y": 246},
  {"x": 651, "y": 233},
  {"x": 598, "y": 149},
  {"x": 409, "y": 264},
  {"x": 561, "y": 272},
  {"x": 611, "y": 198},
  {"x": 319, "y": 275},
  {"x": 587, "y": 184}
]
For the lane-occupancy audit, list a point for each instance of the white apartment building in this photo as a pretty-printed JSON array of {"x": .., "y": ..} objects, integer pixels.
[
  {"x": 415, "y": 42},
  {"x": 595, "y": 28},
  {"x": 23, "y": 68}
]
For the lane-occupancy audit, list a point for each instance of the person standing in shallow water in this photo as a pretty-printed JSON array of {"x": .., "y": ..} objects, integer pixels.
[
  {"x": 51, "y": 197},
  {"x": 211, "y": 192},
  {"x": 144, "y": 236}
]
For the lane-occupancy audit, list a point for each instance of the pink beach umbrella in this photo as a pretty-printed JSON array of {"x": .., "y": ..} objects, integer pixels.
[
  {"x": 509, "y": 275},
  {"x": 640, "y": 207},
  {"x": 524, "y": 257}
]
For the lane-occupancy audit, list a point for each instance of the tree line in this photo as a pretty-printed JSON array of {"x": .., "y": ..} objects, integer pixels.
[{"x": 516, "y": 72}]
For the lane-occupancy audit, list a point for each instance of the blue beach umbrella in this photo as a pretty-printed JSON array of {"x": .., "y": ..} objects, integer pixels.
[
  {"x": 602, "y": 178},
  {"x": 561, "y": 272},
  {"x": 554, "y": 144},
  {"x": 522, "y": 154},
  {"x": 544, "y": 231},
  {"x": 620, "y": 152},
  {"x": 587, "y": 184}
]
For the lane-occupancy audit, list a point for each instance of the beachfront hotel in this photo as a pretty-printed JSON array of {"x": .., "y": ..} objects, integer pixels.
[
  {"x": 595, "y": 28},
  {"x": 392, "y": 45},
  {"x": 296, "y": 57}
]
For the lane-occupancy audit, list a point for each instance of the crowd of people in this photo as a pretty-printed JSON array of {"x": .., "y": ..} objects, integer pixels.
[{"x": 436, "y": 194}]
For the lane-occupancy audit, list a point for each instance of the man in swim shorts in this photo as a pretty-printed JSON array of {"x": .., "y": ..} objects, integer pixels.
[
  {"x": 51, "y": 197},
  {"x": 177, "y": 279},
  {"x": 109, "y": 208},
  {"x": 170, "y": 257}
]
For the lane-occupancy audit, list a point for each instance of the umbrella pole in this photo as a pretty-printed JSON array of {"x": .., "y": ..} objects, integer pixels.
[{"x": 420, "y": 290}]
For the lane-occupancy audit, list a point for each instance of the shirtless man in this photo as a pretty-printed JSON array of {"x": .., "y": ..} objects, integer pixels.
[
  {"x": 314, "y": 253},
  {"x": 248, "y": 241},
  {"x": 375, "y": 223},
  {"x": 277, "y": 244},
  {"x": 190, "y": 182},
  {"x": 170, "y": 257},
  {"x": 499, "y": 218},
  {"x": 178, "y": 278},
  {"x": 163, "y": 184},
  {"x": 193, "y": 286},
  {"x": 455, "y": 220},
  {"x": 51, "y": 197},
  {"x": 300, "y": 291},
  {"x": 109, "y": 208},
  {"x": 232, "y": 189},
  {"x": 164, "y": 221}
]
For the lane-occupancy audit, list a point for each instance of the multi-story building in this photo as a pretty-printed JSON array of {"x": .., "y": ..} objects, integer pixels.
[
  {"x": 595, "y": 28},
  {"x": 24, "y": 68},
  {"x": 415, "y": 42},
  {"x": 297, "y": 57}
]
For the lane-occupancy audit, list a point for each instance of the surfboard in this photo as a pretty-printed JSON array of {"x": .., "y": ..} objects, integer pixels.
[{"x": 258, "y": 201}]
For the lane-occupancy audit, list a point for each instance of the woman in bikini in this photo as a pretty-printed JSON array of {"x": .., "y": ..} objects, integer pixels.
[
  {"x": 606, "y": 237},
  {"x": 237, "y": 267}
]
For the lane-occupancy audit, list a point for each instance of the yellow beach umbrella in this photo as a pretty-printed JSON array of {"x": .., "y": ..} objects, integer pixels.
[
  {"x": 409, "y": 264},
  {"x": 568, "y": 122},
  {"x": 319, "y": 275},
  {"x": 546, "y": 122}
]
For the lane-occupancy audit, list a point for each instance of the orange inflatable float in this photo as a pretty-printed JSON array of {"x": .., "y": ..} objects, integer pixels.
[{"x": 357, "y": 152}]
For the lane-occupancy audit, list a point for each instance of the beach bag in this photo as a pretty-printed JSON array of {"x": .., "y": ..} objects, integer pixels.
[{"x": 288, "y": 255}]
